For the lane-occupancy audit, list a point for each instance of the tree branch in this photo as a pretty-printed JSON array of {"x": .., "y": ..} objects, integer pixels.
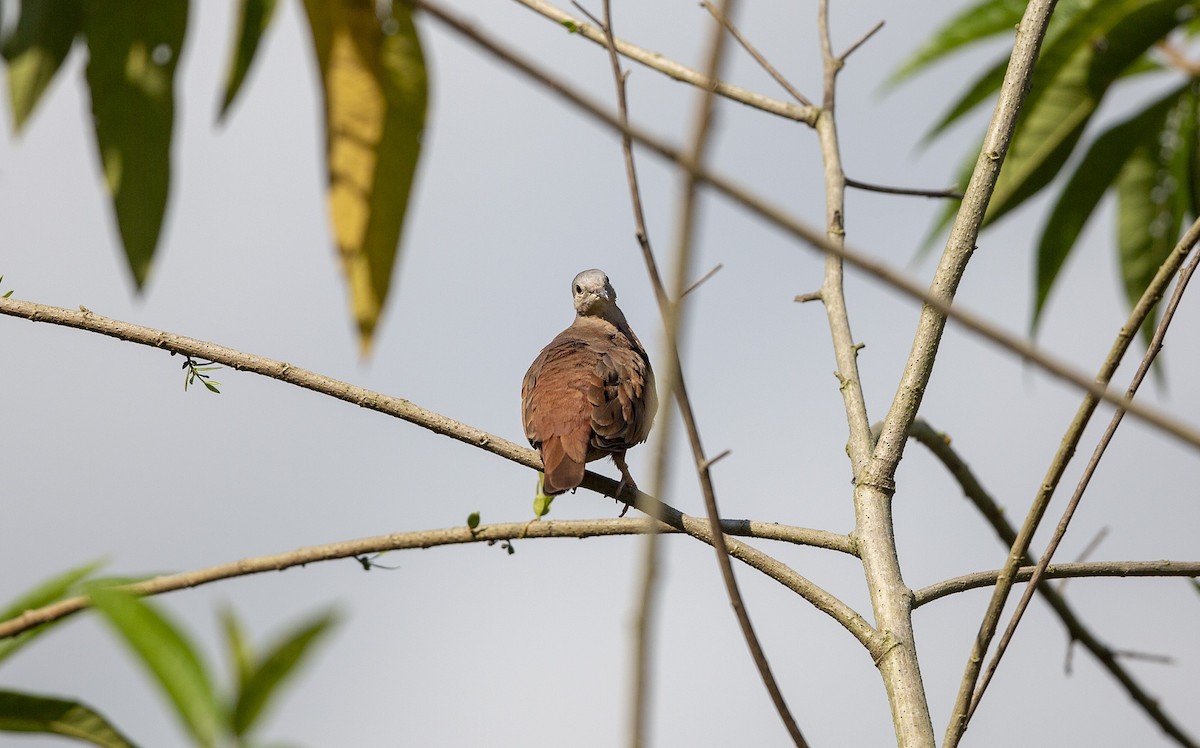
[
  {"x": 403, "y": 409},
  {"x": 671, "y": 69},
  {"x": 1097, "y": 454},
  {"x": 780, "y": 218},
  {"x": 1072, "y": 570},
  {"x": 900, "y": 669},
  {"x": 750, "y": 49},
  {"x": 674, "y": 385},
  {"x": 405, "y": 541},
  {"x": 939, "y": 445}
]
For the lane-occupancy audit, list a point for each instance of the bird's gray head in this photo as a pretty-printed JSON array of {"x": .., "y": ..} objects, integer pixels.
[{"x": 594, "y": 295}]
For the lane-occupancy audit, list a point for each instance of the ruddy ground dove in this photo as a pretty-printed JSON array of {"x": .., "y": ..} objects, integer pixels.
[{"x": 590, "y": 392}]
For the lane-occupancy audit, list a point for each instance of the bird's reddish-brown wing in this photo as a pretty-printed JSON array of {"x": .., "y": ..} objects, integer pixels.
[{"x": 556, "y": 411}]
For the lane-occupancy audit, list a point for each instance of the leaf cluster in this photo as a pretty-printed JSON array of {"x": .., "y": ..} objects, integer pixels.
[
  {"x": 373, "y": 78},
  {"x": 1148, "y": 160},
  {"x": 172, "y": 660}
]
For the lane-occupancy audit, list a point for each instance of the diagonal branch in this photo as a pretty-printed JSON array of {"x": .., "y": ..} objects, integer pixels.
[
  {"x": 675, "y": 385},
  {"x": 1097, "y": 454},
  {"x": 780, "y": 218},
  {"x": 672, "y": 69},
  {"x": 753, "y": 52},
  {"x": 939, "y": 445},
  {"x": 1058, "y": 465}
]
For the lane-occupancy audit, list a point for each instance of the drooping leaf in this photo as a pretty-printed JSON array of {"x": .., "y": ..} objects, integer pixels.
[
  {"x": 173, "y": 662},
  {"x": 980, "y": 21},
  {"x": 375, "y": 90},
  {"x": 36, "y": 49},
  {"x": 241, "y": 655},
  {"x": 254, "y": 17},
  {"x": 1072, "y": 76},
  {"x": 52, "y": 590},
  {"x": 26, "y": 712},
  {"x": 1152, "y": 197},
  {"x": 1096, "y": 173},
  {"x": 275, "y": 668},
  {"x": 133, "y": 48}
]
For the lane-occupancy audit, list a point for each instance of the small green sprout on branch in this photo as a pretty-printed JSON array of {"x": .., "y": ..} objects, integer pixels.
[
  {"x": 7, "y": 293},
  {"x": 195, "y": 371}
]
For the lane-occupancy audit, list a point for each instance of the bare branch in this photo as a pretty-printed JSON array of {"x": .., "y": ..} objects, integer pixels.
[
  {"x": 873, "y": 528},
  {"x": 674, "y": 385},
  {"x": 939, "y": 445},
  {"x": 950, "y": 194},
  {"x": 1072, "y": 570},
  {"x": 861, "y": 41},
  {"x": 800, "y": 113},
  {"x": 776, "y": 216},
  {"x": 762, "y": 61},
  {"x": 701, "y": 280},
  {"x": 397, "y": 542},
  {"x": 1097, "y": 454}
]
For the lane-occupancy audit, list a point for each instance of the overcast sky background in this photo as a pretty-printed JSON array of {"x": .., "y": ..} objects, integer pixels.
[{"x": 102, "y": 454}]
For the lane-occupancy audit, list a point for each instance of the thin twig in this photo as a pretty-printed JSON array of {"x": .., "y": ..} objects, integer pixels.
[
  {"x": 861, "y": 41},
  {"x": 950, "y": 194},
  {"x": 762, "y": 61},
  {"x": 780, "y": 218},
  {"x": 674, "y": 385},
  {"x": 1081, "y": 487},
  {"x": 939, "y": 445},
  {"x": 1087, "y": 551},
  {"x": 672, "y": 69},
  {"x": 701, "y": 280},
  {"x": 1074, "y": 570}
]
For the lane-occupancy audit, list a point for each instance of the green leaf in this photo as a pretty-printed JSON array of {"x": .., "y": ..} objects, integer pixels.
[
  {"x": 241, "y": 654},
  {"x": 52, "y": 590},
  {"x": 1072, "y": 76},
  {"x": 275, "y": 668},
  {"x": 473, "y": 520},
  {"x": 167, "y": 655},
  {"x": 24, "y": 712},
  {"x": 254, "y": 17},
  {"x": 210, "y": 386},
  {"x": 1095, "y": 174},
  {"x": 980, "y": 21},
  {"x": 36, "y": 49},
  {"x": 375, "y": 90},
  {"x": 133, "y": 48},
  {"x": 1152, "y": 198}
]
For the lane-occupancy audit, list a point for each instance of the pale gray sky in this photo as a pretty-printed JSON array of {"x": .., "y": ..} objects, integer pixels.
[{"x": 104, "y": 456}]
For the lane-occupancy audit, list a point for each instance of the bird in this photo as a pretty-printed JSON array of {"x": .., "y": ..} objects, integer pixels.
[{"x": 590, "y": 392}]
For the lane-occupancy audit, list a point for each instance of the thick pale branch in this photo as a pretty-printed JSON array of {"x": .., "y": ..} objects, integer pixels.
[
  {"x": 1059, "y": 571},
  {"x": 777, "y": 216},
  {"x": 672, "y": 69}
]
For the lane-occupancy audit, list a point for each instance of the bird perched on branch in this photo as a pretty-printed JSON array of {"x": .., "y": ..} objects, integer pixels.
[{"x": 590, "y": 392}]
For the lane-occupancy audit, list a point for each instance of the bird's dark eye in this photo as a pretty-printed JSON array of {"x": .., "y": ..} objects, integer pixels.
[{"x": 578, "y": 288}]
